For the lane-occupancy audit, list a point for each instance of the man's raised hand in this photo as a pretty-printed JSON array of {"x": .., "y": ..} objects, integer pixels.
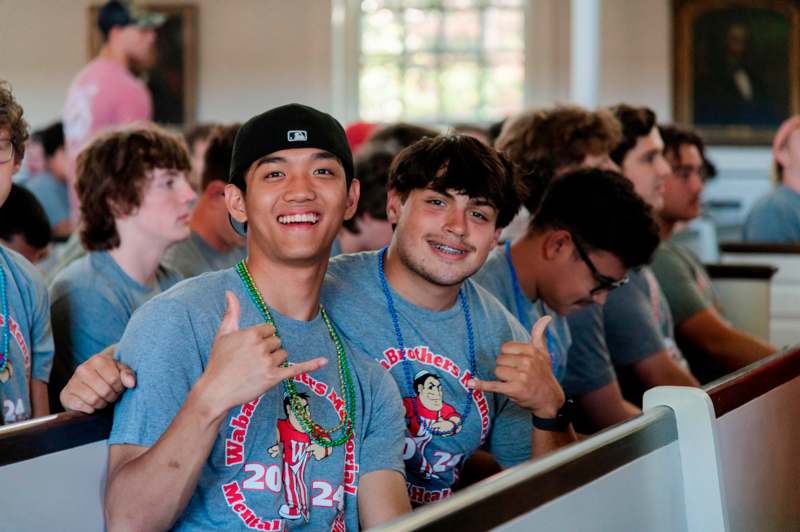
[
  {"x": 245, "y": 363},
  {"x": 524, "y": 374}
]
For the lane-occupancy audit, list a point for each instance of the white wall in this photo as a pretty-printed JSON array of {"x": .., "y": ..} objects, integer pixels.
[
  {"x": 636, "y": 58},
  {"x": 252, "y": 54}
]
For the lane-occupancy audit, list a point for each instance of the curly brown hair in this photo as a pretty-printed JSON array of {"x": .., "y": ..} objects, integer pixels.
[
  {"x": 558, "y": 137},
  {"x": 112, "y": 174},
  {"x": 12, "y": 121}
]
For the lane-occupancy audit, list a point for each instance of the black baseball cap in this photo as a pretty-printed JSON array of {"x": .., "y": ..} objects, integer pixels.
[
  {"x": 288, "y": 127},
  {"x": 122, "y": 13}
]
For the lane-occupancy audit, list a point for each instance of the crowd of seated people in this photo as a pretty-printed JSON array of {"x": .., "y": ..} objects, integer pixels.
[{"x": 284, "y": 304}]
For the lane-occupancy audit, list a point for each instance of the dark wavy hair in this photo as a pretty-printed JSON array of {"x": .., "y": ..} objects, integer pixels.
[
  {"x": 461, "y": 163},
  {"x": 602, "y": 210},
  {"x": 112, "y": 173},
  {"x": 636, "y": 122}
]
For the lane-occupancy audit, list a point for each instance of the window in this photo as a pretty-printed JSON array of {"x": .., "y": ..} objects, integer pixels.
[{"x": 441, "y": 60}]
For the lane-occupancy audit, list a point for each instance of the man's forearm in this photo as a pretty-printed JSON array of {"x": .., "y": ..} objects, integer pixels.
[
  {"x": 545, "y": 441},
  {"x": 737, "y": 349},
  {"x": 151, "y": 491}
]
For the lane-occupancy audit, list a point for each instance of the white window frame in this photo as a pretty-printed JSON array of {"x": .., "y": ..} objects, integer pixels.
[{"x": 544, "y": 77}]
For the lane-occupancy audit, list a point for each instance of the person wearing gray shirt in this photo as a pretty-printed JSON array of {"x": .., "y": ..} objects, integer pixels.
[
  {"x": 775, "y": 217},
  {"x": 213, "y": 244},
  {"x": 469, "y": 373},
  {"x": 264, "y": 415},
  {"x": 93, "y": 298},
  {"x": 26, "y": 343}
]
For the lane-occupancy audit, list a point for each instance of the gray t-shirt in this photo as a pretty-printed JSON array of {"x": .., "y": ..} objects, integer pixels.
[
  {"x": 262, "y": 473},
  {"x": 685, "y": 283},
  {"x": 193, "y": 256},
  {"x": 436, "y": 354},
  {"x": 499, "y": 277},
  {"x": 91, "y": 301},
  {"x": 30, "y": 341},
  {"x": 624, "y": 331},
  {"x": 589, "y": 366},
  {"x": 52, "y": 194},
  {"x": 774, "y": 217},
  {"x": 631, "y": 337}
]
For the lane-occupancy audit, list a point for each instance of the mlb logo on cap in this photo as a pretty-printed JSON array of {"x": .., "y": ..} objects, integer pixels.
[{"x": 297, "y": 135}]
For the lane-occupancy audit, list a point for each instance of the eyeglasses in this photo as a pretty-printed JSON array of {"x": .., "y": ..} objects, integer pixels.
[
  {"x": 6, "y": 150},
  {"x": 604, "y": 282}
]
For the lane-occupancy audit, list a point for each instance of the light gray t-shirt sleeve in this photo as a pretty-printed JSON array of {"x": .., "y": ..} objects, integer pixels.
[
  {"x": 382, "y": 446},
  {"x": 164, "y": 355},
  {"x": 632, "y": 332},
  {"x": 589, "y": 365},
  {"x": 679, "y": 285}
]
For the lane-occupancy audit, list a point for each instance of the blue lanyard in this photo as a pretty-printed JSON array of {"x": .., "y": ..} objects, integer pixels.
[
  {"x": 407, "y": 365},
  {"x": 522, "y": 316}
]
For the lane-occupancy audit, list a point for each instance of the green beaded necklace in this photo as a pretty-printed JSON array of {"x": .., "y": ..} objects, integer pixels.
[{"x": 315, "y": 431}]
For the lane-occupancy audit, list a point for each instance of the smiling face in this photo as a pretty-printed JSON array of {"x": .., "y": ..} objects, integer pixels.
[
  {"x": 442, "y": 237},
  {"x": 294, "y": 205},
  {"x": 430, "y": 394},
  {"x": 163, "y": 215},
  {"x": 647, "y": 168}
]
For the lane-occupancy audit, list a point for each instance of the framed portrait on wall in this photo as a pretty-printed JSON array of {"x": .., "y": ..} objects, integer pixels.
[
  {"x": 736, "y": 67},
  {"x": 172, "y": 80}
]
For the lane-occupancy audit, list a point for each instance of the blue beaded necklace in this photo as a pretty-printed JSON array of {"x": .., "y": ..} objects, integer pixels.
[
  {"x": 6, "y": 338},
  {"x": 407, "y": 365},
  {"x": 522, "y": 316}
]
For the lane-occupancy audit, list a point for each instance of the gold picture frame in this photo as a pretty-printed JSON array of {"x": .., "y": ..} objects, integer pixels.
[
  {"x": 736, "y": 67},
  {"x": 173, "y": 80}
]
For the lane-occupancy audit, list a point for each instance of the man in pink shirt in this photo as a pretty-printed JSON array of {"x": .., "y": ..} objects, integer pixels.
[{"x": 105, "y": 93}]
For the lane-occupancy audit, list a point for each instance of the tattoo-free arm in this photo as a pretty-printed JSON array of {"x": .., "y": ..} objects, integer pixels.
[
  {"x": 605, "y": 406},
  {"x": 661, "y": 370},
  {"x": 382, "y": 496},
  {"x": 160, "y": 479},
  {"x": 733, "y": 349}
]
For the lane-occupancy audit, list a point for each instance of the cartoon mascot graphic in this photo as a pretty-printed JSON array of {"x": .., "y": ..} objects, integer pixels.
[
  {"x": 297, "y": 450},
  {"x": 433, "y": 415}
]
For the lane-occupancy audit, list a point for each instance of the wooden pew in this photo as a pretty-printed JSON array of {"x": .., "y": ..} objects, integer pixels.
[
  {"x": 744, "y": 292},
  {"x": 785, "y": 290}
]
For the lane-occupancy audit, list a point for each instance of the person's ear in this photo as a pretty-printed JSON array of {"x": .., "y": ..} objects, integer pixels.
[
  {"x": 557, "y": 244},
  {"x": 234, "y": 200},
  {"x": 394, "y": 206},
  {"x": 353, "y": 193}
]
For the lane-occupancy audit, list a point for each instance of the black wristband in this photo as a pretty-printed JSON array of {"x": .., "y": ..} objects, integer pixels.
[{"x": 561, "y": 422}]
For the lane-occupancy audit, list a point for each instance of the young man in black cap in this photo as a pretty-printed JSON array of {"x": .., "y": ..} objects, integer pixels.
[{"x": 250, "y": 409}]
